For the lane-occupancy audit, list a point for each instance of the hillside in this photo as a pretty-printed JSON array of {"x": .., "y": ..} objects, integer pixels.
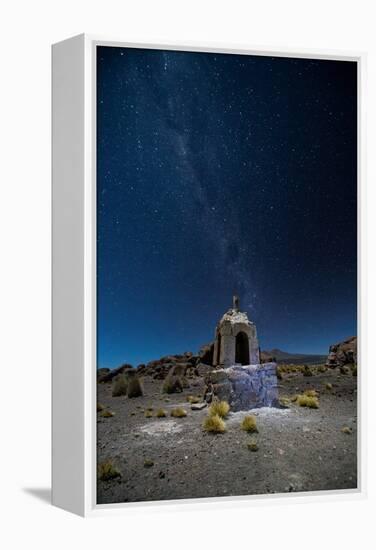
[{"x": 292, "y": 358}]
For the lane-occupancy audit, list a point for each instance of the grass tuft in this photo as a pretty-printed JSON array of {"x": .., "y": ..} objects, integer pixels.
[
  {"x": 193, "y": 399},
  {"x": 179, "y": 412},
  {"x": 100, "y": 407},
  {"x": 134, "y": 387},
  {"x": 148, "y": 414},
  {"x": 284, "y": 401},
  {"x": 107, "y": 471},
  {"x": 221, "y": 408},
  {"x": 346, "y": 430},
  {"x": 329, "y": 386},
  {"x": 119, "y": 385},
  {"x": 213, "y": 423},
  {"x": 307, "y": 371},
  {"x": 311, "y": 393},
  {"x": 249, "y": 424},
  {"x": 148, "y": 463},
  {"x": 252, "y": 445},
  {"x": 307, "y": 401},
  {"x": 161, "y": 413}
]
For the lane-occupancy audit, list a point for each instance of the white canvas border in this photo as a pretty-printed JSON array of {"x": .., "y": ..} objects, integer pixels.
[{"x": 89, "y": 298}]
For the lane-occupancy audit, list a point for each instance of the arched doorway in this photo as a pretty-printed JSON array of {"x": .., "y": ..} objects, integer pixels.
[{"x": 242, "y": 349}]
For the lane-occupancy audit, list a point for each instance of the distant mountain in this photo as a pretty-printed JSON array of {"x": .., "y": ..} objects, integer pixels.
[{"x": 292, "y": 358}]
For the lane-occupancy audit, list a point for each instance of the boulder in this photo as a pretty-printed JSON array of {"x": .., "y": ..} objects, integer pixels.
[
  {"x": 110, "y": 374},
  {"x": 343, "y": 353},
  {"x": 159, "y": 368},
  {"x": 267, "y": 357},
  {"x": 198, "y": 406},
  {"x": 205, "y": 355},
  {"x": 179, "y": 369},
  {"x": 244, "y": 387},
  {"x": 102, "y": 372},
  {"x": 215, "y": 376},
  {"x": 202, "y": 369}
]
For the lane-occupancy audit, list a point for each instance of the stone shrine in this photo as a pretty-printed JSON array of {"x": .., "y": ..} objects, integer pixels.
[
  {"x": 236, "y": 340},
  {"x": 238, "y": 376}
]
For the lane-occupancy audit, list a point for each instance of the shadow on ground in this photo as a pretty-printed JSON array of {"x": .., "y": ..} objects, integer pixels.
[{"x": 41, "y": 493}]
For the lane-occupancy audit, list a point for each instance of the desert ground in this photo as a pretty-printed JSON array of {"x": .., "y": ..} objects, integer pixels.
[{"x": 299, "y": 448}]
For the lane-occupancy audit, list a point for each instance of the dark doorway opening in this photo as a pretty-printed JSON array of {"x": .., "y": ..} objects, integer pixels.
[{"x": 242, "y": 349}]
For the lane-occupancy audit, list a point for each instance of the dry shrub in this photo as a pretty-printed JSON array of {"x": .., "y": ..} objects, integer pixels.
[
  {"x": 321, "y": 368},
  {"x": 249, "y": 424},
  {"x": 119, "y": 385},
  {"x": 148, "y": 414},
  {"x": 346, "y": 430},
  {"x": 100, "y": 407},
  {"x": 221, "y": 408},
  {"x": 311, "y": 393},
  {"x": 134, "y": 386},
  {"x": 107, "y": 471},
  {"x": 213, "y": 423},
  {"x": 343, "y": 369},
  {"x": 329, "y": 386},
  {"x": 307, "y": 401},
  {"x": 279, "y": 372},
  {"x": 148, "y": 463},
  {"x": 179, "y": 412},
  {"x": 307, "y": 371},
  {"x": 161, "y": 413}
]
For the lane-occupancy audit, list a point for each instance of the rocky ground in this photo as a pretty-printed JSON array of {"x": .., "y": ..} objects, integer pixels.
[{"x": 299, "y": 449}]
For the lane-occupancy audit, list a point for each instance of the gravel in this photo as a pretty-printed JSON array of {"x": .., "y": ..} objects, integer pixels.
[{"x": 299, "y": 449}]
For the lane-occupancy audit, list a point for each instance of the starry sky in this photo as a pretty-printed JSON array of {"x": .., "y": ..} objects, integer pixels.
[{"x": 221, "y": 174}]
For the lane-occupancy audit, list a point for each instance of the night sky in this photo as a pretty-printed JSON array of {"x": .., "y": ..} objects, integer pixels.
[{"x": 221, "y": 174}]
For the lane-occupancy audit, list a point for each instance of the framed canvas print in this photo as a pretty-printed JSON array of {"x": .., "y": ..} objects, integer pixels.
[{"x": 206, "y": 282}]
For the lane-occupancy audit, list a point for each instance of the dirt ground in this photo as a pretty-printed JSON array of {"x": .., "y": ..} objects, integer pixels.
[{"x": 299, "y": 449}]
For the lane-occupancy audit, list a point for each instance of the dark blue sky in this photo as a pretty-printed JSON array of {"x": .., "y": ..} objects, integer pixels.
[{"x": 219, "y": 174}]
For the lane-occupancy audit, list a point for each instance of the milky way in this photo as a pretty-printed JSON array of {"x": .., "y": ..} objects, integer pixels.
[{"x": 220, "y": 174}]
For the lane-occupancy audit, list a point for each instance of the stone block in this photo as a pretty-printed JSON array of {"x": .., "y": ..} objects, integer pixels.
[{"x": 245, "y": 387}]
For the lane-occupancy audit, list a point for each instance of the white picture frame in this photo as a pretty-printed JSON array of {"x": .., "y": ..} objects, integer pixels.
[{"x": 74, "y": 276}]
